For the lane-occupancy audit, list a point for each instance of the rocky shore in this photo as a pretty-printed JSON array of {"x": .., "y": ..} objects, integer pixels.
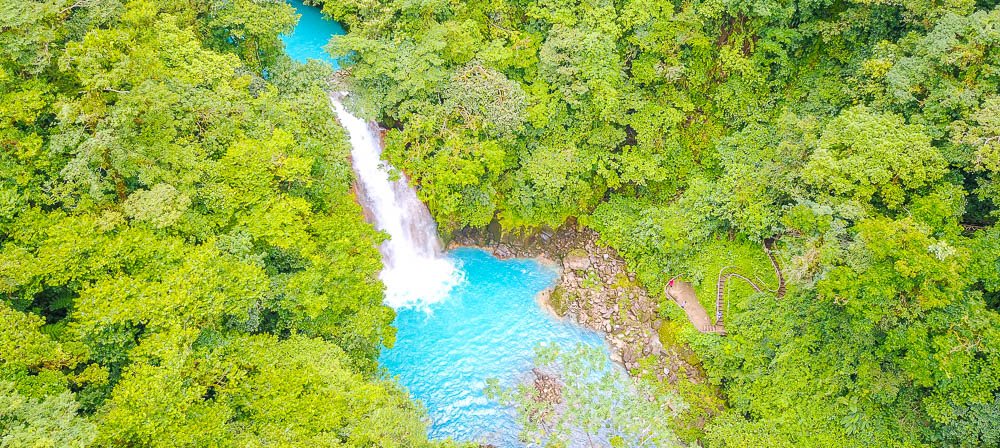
[{"x": 594, "y": 290}]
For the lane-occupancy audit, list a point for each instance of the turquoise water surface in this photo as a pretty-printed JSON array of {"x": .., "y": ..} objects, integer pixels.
[
  {"x": 311, "y": 34},
  {"x": 488, "y": 328}
]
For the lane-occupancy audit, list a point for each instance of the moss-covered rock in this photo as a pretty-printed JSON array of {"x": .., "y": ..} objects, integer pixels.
[
  {"x": 560, "y": 299},
  {"x": 576, "y": 260}
]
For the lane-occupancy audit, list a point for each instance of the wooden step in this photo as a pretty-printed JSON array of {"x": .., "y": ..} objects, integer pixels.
[{"x": 713, "y": 329}]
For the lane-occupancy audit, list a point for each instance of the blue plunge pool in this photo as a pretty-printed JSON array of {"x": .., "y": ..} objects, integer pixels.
[
  {"x": 310, "y": 36},
  {"x": 487, "y": 328}
]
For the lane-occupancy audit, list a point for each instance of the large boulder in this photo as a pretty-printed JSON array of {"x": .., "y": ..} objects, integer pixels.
[
  {"x": 576, "y": 260},
  {"x": 560, "y": 301}
]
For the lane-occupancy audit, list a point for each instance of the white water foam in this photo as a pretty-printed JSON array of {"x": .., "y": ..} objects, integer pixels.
[{"x": 415, "y": 274}]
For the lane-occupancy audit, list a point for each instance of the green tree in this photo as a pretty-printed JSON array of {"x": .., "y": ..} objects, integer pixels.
[{"x": 870, "y": 157}]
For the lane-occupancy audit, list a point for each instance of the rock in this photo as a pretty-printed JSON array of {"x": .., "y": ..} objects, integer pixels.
[
  {"x": 605, "y": 312},
  {"x": 545, "y": 235},
  {"x": 503, "y": 251},
  {"x": 560, "y": 301},
  {"x": 547, "y": 386},
  {"x": 628, "y": 355},
  {"x": 577, "y": 260},
  {"x": 644, "y": 316}
]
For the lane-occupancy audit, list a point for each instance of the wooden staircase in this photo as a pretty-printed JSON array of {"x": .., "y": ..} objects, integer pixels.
[
  {"x": 713, "y": 329},
  {"x": 697, "y": 315}
]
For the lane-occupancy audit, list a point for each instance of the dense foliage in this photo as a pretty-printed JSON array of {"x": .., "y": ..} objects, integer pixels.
[
  {"x": 863, "y": 135},
  {"x": 578, "y": 398},
  {"x": 181, "y": 260}
]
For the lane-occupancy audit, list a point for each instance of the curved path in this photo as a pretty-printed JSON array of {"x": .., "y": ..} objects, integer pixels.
[{"x": 682, "y": 293}]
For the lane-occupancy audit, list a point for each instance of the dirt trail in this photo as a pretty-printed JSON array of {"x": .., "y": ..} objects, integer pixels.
[{"x": 682, "y": 293}]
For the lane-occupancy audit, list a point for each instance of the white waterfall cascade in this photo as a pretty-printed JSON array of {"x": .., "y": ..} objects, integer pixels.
[{"x": 414, "y": 272}]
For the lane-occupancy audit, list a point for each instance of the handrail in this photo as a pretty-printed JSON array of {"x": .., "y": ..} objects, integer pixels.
[{"x": 723, "y": 279}]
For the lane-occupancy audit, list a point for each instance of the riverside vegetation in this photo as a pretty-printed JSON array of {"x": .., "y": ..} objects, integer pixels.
[{"x": 182, "y": 262}]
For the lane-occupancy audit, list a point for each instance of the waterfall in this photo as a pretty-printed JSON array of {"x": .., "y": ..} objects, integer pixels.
[{"x": 414, "y": 272}]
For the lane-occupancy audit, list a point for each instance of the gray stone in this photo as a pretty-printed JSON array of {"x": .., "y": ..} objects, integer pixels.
[
  {"x": 545, "y": 235},
  {"x": 576, "y": 260},
  {"x": 628, "y": 355}
]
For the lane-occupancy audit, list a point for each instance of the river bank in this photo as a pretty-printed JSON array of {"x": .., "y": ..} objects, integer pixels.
[{"x": 595, "y": 290}]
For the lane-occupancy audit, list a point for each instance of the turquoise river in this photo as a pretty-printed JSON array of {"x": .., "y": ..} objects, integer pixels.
[{"x": 487, "y": 325}]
